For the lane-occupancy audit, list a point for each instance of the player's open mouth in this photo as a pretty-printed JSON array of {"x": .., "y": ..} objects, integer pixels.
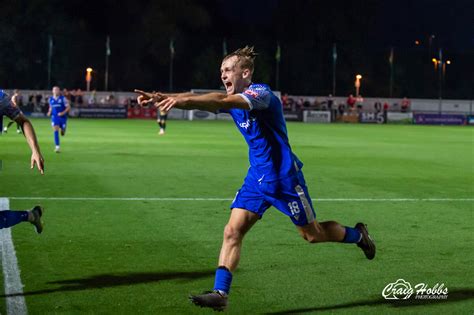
[{"x": 228, "y": 85}]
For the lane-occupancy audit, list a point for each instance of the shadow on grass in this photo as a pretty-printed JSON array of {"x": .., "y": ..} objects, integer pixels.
[
  {"x": 115, "y": 280},
  {"x": 455, "y": 295}
]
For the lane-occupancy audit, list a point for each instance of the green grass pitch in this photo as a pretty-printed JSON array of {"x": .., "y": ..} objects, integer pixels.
[{"x": 102, "y": 256}]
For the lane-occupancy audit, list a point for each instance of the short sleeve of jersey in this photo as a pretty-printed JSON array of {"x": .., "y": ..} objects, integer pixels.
[
  {"x": 6, "y": 108},
  {"x": 257, "y": 96}
]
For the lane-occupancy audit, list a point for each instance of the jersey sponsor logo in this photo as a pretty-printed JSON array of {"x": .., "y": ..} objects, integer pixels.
[{"x": 247, "y": 123}]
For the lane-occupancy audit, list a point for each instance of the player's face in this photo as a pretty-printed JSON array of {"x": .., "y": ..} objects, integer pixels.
[
  {"x": 234, "y": 78},
  {"x": 55, "y": 91}
]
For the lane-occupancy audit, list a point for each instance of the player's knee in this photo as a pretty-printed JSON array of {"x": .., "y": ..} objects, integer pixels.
[{"x": 232, "y": 234}]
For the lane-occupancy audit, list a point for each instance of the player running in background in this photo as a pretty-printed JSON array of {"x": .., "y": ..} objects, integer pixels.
[
  {"x": 10, "y": 218},
  {"x": 162, "y": 117},
  {"x": 58, "y": 109},
  {"x": 15, "y": 103},
  {"x": 274, "y": 177}
]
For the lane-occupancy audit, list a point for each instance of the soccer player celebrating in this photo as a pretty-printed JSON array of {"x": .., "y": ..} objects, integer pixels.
[
  {"x": 58, "y": 109},
  {"x": 10, "y": 218},
  {"x": 274, "y": 177},
  {"x": 162, "y": 117}
]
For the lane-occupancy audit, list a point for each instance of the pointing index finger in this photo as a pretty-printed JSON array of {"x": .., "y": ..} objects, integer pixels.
[{"x": 143, "y": 93}]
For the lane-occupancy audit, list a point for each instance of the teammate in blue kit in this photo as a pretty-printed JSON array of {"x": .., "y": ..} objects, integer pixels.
[
  {"x": 274, "y": 177},
  {"x": 58, "y": 109},
  {"x": 10, "y": 218}
]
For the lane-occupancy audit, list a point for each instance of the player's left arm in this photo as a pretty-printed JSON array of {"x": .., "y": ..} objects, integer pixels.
[
  {"x": 30, "y": 135},
  {"x": 68, "y": 108},
  {"x": 209, "y": 102}
]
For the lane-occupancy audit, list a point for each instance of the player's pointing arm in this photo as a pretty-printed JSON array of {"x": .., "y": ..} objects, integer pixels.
[
  {"x": 210, "y": 102},
  {"x": 68, "y": 107}
]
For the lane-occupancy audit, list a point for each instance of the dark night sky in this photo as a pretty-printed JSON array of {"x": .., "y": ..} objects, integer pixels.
[
  {"x": 140, "y": 30},
  {"x": 452, "y": 22},
  {"x": 397, "y": 23}
]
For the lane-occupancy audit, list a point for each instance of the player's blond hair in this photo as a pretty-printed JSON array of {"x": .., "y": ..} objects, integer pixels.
[{"x": 245, "y": 57}]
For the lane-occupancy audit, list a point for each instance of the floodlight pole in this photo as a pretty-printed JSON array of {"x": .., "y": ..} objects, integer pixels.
[
  {"x": 390, "y": 59},
  {"x": 171, "y": 74},
  {"x": 50, "y": 57},
  {"x": 277, "y": 66},
  {"x": 440, "y": 81},
  {"x": 107, "y": 54},
  {"x": 277, "y": 76},
  {"x": 172, "y": 52},
  {"x": 334, "y": 62}
]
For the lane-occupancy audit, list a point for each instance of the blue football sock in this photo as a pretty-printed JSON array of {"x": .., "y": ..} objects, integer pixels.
[
  {"x": 352, "y": 235},
  {"x": 223, "y": 280},
  {"x": 56, "y": 137},
  {"x": 10, "y": 218}
]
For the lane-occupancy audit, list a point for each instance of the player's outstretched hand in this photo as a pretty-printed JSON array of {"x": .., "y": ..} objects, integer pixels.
[
  {"x": 37, "y": 159},
  {"x": 145, "y": 98},
  {"x": 168, "y": 103}
]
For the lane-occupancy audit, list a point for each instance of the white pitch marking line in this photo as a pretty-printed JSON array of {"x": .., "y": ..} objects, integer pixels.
[
  {"x": 16, "y": 304},
  {"x": 229, "y": 199}
]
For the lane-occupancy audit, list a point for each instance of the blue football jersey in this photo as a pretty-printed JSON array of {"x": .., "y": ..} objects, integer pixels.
[
  {"x": 57, "y": 104},
  {"x": 264, "y": 129},
  {"x": 6, "y": 107}
]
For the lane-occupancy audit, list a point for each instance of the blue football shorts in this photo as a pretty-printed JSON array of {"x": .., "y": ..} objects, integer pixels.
[
  {"x": 289, "y": 195},
  {"x": 60, "y": 121}
]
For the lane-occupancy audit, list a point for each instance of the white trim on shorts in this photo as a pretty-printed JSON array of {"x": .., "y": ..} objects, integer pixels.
[{"x": 306, "y": 205}]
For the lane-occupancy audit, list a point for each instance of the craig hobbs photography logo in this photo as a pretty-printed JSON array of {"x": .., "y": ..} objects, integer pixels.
[{"x": 403, "y": 290}]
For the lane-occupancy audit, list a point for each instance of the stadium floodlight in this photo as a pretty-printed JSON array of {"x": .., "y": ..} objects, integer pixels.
[
  {"x": 448, "y": 62},
  {"x": 357, "y": 84},
  {"x": 88, "y": 78}
]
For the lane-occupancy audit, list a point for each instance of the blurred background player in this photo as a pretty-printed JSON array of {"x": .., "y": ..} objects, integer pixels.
[
  {"x": 10, "y": 218},
  {"x": 58, "y": 109},
  {"x": 16, "y": 103},
  {"x": 162, "y": 117}
]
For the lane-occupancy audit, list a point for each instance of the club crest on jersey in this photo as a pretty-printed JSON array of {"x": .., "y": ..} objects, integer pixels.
[{"x": 251, "y": 93}]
